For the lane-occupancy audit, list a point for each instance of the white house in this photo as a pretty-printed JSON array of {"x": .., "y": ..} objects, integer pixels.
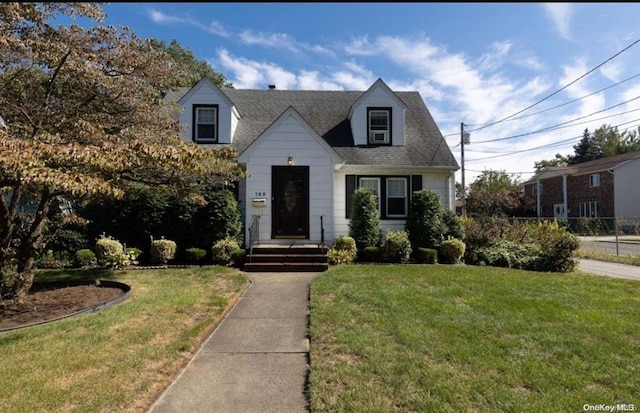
[{"x": 307, "y": 151}]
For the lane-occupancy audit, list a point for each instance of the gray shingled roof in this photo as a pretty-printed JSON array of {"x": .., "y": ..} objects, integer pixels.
[{"x": 327, "y": 111}]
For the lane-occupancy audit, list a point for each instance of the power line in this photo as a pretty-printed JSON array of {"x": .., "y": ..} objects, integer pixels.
[
  {"x": 559, "y": 90},
  {"x": 543, "y": 146},
  {"x": 560, "y": 124}
]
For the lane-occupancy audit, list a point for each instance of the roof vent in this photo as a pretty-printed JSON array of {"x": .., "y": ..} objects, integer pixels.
[{"x": 271, "y": 87}]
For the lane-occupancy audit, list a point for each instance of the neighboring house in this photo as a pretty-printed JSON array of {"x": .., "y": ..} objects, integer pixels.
[
  {"x": 604, "y": 188},
  {"x": 307, "y": 151}
]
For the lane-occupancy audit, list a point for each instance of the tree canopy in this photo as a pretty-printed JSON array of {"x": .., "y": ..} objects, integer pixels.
[
  {"x": 494, "y": 193},
  {"x": 84, "y": 115},
  {"x": 604, "y": 142}
]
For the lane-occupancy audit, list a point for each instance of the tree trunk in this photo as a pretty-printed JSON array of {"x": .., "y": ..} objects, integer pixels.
[{"x": 29, "y": 250}]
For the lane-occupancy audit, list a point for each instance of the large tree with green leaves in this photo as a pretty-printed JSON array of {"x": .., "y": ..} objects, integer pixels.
[
  {"x": 85, "y": 116},
  {"x": 196, "y": 69},
  {"x": 494, "y": 193}
]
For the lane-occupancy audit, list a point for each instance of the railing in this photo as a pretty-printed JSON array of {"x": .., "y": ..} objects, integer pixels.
[
  {"x": 254, "y": 233},
  {"x": 321, "y": 231}
]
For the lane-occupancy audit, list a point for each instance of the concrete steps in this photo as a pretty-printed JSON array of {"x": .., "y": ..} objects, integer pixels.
[{"x": 287, "y": 258}]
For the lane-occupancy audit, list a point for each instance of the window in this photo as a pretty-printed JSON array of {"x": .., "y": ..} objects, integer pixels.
[
  {"x": 588, "y": 209},
  {"x": 397, "y": 197},
  {"x": 205, "y": 123},
  {"x": 379, "y": 125},
  {"x": 372, "y": 184},
  {"x": 594, "y": 180}
]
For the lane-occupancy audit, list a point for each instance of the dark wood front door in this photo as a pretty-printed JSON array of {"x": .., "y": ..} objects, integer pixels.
[{"x": 290, "y": 201}]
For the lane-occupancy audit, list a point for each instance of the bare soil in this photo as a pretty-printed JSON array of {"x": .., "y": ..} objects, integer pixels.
[{"x": 47, "y": 303}]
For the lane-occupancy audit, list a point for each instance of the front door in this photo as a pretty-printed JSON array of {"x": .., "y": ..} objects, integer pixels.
[{"x": 290, "y": 212}]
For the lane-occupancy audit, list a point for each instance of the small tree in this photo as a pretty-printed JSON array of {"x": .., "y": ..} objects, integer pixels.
[
  {"x": 425, "y": 225},
  {"x": 365, "y": 227}
]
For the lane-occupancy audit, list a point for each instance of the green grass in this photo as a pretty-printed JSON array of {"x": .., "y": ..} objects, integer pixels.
[
  {"x": 119, "y": 359},
  {"x": 603, "y": 256},
  {"x": 471, "y": 339}
]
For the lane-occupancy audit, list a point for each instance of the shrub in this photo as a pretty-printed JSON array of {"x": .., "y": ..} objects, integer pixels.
[
  {"x": 220, "y": 218},
  {"x": 237, "y": 255},
  {"x": 397, "y": 247},
  {"x": 53, "y": 260},
  {"x": 426, "y": 255},
  {"x": 336, "y": 256},
  {"x": 371, "y": 254},
  {"x": 557, "y": 247},
  {"x": 69, "y": 240},
  {"x": 364, "y": 226},
  {"x": 134, "y": 253},
  {"x": 162, "y": 251},
  {"x": 344, "y": 249},
  {"x": 452, "y": 251},
  {"x": 194, "y": 255},
  {"x": 424, "y": 220},
  {"x": 222, "y": 250},
  {"x": 108, "y": 251},
  {"x": 85, "y": 258}
]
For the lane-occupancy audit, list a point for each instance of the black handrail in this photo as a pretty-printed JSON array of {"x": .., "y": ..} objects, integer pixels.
[{"x": 321, "y": 231}]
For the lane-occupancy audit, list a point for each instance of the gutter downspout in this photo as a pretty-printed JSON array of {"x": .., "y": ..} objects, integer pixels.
[
  {"x": 564, "y": 196},
  {"x": 538, "y": 198}
]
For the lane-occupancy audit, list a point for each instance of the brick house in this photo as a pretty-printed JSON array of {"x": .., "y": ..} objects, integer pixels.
[{"x": 603, "y": 188}]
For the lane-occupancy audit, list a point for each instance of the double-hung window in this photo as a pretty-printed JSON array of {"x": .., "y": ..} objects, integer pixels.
[
  {"x": 397, "y": 197},
  {"x": 373, "y": 185},
  {"x": 589, "y": 209},
  {"x": 205, "y": 123},
  {"x": 379, "y": 125},
  {"x": 594, "y": 180}
]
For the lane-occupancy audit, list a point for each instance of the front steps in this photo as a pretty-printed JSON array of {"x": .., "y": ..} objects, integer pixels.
[{"x": 287, "y": 258}]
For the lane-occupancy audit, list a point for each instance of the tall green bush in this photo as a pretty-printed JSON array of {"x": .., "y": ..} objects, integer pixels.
[
  {"x": 220, "y": 217},
  {"x": 162, "y": 251},
  {"x": 425, "y": 223},
  {"x": 397, "y": 247},
  {"x": 364, "y": 226}
]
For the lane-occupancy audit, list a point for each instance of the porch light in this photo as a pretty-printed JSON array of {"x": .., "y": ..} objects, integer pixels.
[{"x": 290, "y": 161}]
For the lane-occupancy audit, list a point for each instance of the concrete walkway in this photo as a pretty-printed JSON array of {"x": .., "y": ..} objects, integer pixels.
[
  {"x": 257, "y": 358},
  {"x": 609, "y": 269}
]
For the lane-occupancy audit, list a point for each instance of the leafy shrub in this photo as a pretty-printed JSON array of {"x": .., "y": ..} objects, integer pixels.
[
  {"x": 108, "y": 251},
  {"x": 85, "y": 258},
  {"x": 69, "y": 240},
  {"x": 453, "y": 224},
  {"x": 194, "y": 255},
  {"x": 424, "y": 220},
  {"x": 134, "y": 253},
  {"x": 220, "y": 218},
  {"x": 452, "y": 251},
  {"x": 162, "y": 251},
  {"x": 371, "y": 254},
  {"x": 426, "y": 255},
  {"x": 557, "y": 247},
  {"x": 364, "y": 225},
  {"x": 222, "y": 250},
  {"x": 397, "y": 247},
  {"x": 53, "y": 260},
  {"x": 237, "y": 255},
  {"x": 336, "y": 256},
  {"x": 344, "y": 250}
]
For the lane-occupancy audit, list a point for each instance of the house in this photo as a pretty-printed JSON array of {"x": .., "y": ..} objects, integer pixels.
[
  {"x": 307, "y": 151},
  {"x": 603, "y": 188}
]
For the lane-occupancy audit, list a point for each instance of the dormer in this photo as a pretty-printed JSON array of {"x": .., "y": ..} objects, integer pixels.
[
  {"x": 377, "y": 117},
  {"x": 208, "y": 115}
]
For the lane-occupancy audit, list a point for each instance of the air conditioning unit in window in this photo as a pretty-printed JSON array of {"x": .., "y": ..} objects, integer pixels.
[{"x": 378, "y": 136}]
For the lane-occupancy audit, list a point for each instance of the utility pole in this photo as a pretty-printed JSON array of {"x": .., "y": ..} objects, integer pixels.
[
  {"x": 464, "y": 195},
  {"x": 464, "y": 138}
]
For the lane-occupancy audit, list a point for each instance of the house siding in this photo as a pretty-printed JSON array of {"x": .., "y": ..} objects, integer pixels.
[
  {"x": 437, "y": 181},
  {"x": 580, "y": 191},
  {"x": 290, "y": 139},
  {"x": 377, "y": 97},
  {"x": 203, "y": 94},
  {"x": 627, "y": 195}
]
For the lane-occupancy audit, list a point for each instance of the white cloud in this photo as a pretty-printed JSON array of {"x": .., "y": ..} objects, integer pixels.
[
  {"x": 560, "y": 14},
  {"x": 161, "y": 18},
  {"x": 271, "y": 40}
]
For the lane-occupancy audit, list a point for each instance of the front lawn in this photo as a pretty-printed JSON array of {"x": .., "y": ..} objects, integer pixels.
[
  {"x": 119, "y": 359},
  {"x": 441, "y": 338}
]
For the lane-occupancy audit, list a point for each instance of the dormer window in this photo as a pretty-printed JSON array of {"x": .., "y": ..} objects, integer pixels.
[
  {"x": 379, "y": 125},
  {"x": 205, "y": 123}
]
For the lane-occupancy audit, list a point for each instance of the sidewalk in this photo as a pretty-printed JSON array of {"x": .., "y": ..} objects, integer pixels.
[
  {"x": 257, "y": 358},
  {"x": 609, "y": 269}
]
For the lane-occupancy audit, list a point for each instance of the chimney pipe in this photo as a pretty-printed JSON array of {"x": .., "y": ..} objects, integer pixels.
[{"x": 271, "y": 87}]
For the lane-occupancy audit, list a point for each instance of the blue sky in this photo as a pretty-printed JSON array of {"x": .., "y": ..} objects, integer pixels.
[{"x": 476, "y": 63}]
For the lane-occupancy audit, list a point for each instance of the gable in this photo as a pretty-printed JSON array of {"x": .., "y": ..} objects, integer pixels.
[
  {"x": 378, "y": 102},
  {"x": 289, "y": 133},
  {"x": 223, "y": 116}
]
